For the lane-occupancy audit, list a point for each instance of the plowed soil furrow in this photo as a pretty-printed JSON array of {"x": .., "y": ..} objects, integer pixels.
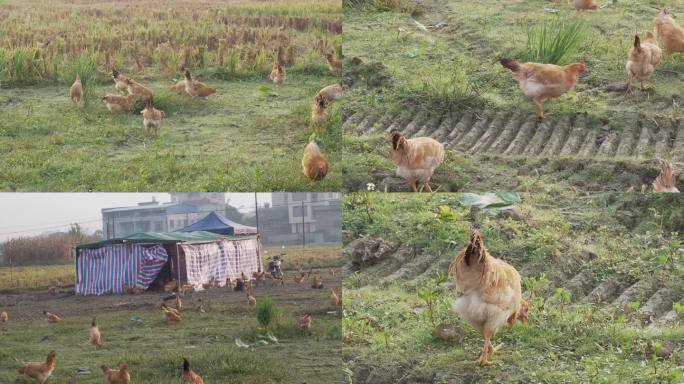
[
  {"x": 510, "y": 133},
  {"x": 490, "y": 134},
  {"x": 522, "y": 137}
]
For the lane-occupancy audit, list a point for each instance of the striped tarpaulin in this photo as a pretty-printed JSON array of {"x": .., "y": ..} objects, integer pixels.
[
  {"x": 221, "y": 260},
  {"x": 107, "y": 269}
]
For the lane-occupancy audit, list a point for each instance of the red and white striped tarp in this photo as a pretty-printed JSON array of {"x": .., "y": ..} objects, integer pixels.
[
  {"x": 107, "y": 269},
  {"x": 221, "y": 260}
]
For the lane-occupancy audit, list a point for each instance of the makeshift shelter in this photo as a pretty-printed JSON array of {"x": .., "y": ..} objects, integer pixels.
[
  {"x": 151, "y": 259},
  {"x": 213, "y": 222}
]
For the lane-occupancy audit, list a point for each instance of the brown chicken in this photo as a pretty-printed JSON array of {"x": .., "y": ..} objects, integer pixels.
[
  {"x": 120, "y": 81},
  {"x": 113, "y": 376},
  {"x": 95, "y": 336},
  {"x": 179, "y": 303},
  {"x": 3, "y": 315},
  {"x": 152, "y": 118},
  {"x": 643, "y": 57},
  {"x": 189, "y": 376},
  {"x": 314, "y": 163},
  {"x": 171, "y": 314},
  {"x": 488, "y": 293},
  {"x": 300, "y": 279},
  {"x": 196, "y": 88},
  {"x": 334, "y": 63},
  {"x": 334, "y": 299},
  {"x": 230, "y": 283},
  {"x": 540, "y": 82},
  {"x": 76, "y": 90},
  {"x": 317, "y": 282},
  {"x": 138, "y": 90},
  {"x": 116, "y": 104},
  {"x": 53, "y": 317},
  {"x": 332, "y": 271},
  {"x": 251, "y": 300},
  {"x": 179, "y": 87},
  {"x": 305, "y": 322},
  {"x": 40, "y": 371},
  {"x": 278, "y": 73},
  {"x": 416, "y": 159},
  {"x": 322, "y": 102},
  {"x": 584, "y": 5},
  {"x": 669, "y": 32},
  {"x": 665, "y": 182}
]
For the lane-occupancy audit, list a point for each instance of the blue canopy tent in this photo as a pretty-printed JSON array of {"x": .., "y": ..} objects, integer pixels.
[{"x": 213, "y": 222}]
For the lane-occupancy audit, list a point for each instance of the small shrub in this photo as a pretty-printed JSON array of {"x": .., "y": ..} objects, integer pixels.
[
  {"x": 554, "y": 41},
  {"x": 268, "y": 313}
]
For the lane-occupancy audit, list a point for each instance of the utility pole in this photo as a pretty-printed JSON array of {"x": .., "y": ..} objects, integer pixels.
[
  {"x": 256, "y": 211},
  {"x": 303, "y": 230}
]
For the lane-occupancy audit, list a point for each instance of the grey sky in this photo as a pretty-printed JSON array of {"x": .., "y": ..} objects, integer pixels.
[{"x": 27, "y": 214}]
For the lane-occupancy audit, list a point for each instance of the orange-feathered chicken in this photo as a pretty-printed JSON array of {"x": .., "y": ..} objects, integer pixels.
[
  {"x": 643, "y": 57},
  {"x": 251, "y": 300},
  {"x": 95, "y": 336},
  {"x": 322, "y": 101},
  {"x": 120, "y": 81},
  {"x": 334, "y": 299},
  {"x": 196, "y": 88},
  {"x": 334, "y": 63},
  {"x": 189, "y": 376},
  {"x": 487, "y": 289},
  {"x": 314, "y": 163},
  {"x": 53, "y": 317},
  {"x": 179, "y": 303},
  {"x": 540, "y": 82},
  {"x": 138, "y": 90},
  {"x": 3, "y": 315},
  {"x": 669, "y": 32},
  {"x": 584, "y": 5},
  {"x": 278, "y": 73},
  {"x": 416, "y": 159},
  {"x": 179, "y": 87},
  {"x": 76, "y": 90},
  {"x": 117, "y": 104},
  {"x": 113, "y": 376},
  {"x": 152, "y": 118},
  {"x": 665, "y": 182},
  {"x": 300, "y": 279},
  {"x": 305, "y": 322},
  {"x": 171, "y": 314},
  {"x": 40, "y": 371}
]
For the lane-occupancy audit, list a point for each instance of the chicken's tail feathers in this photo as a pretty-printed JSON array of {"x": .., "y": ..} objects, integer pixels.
[
  {"x": 665, "y": 180},
  {"x": 186, "y": 365},
  {"x": 187, "y": 75},
  {"x": 94, "y": 322},
  {"x": 476, "y": 249},
  {"x": 510, "y": 64},
  {"x": 637, "y": 42}
]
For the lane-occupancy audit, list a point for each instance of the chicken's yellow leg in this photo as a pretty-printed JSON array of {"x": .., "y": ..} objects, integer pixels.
[
  {"x": 485, "y": 351},
  {"x": 540, "y": 110}
]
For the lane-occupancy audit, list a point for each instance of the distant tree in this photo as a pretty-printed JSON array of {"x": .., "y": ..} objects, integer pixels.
[{"x": 232, "y": 213}]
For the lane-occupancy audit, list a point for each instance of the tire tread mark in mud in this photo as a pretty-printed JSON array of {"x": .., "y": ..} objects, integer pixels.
[{"x": 490, "y": 134}]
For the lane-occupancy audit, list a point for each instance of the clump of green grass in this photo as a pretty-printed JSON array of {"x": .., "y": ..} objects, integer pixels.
[
  {"x": 555, "y": 41},
  {"x": 382, "y": 5},
  {"x": 84, "y": 66},
  {"x": 268, "y": 313}
]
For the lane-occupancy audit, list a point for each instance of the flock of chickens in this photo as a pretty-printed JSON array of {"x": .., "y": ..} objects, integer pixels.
[
  {"x": 417, "y": 158},
  {"x": 41, "y": 371},
  {"x": 314, "y": 162}
]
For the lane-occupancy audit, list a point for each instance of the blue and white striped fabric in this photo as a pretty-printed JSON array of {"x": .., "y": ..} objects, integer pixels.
[{"x": 107, "y": 269}]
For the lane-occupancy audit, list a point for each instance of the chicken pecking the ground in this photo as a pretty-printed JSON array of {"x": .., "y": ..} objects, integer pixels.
[
  {"x": 95, "y": 336},
  {"x": 540, "y": 82},
  {"x": 3, "y": 315},
  {"x": 278, "y": 73},
  {"x": 488, "y": 292},
  {"x": 665, "y": 182},
  {"x": 152, "y": 118},
  {"x": 585, "y": 5},
  {"x": 314, "y": 163},
  {"x": 190, "y": 376},
  {"x": 114, "y": 376},
  {"x": 196, "y": 88},
  {"x": 416, "y": 159},
  {"x": 76, "y": 90},
  {"x": 643, "y": 58}
]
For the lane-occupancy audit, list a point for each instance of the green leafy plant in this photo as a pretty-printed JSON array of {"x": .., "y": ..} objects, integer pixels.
[
  {"x": 428, "y": 294},
  {"x": 563, "y": 297},
  {"x": 555, "y": 40},
  {"x": 268, "y": 313}
]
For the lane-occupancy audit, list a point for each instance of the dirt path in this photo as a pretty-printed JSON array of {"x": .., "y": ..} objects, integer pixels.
[{"x": 28, "y": 305}]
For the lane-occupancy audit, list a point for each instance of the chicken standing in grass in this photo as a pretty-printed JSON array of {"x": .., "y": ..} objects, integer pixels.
[
  {"x": 334, "y": 299},
  {"x": 179, "y": 303},
  {"x": 171, "y": 314},
  {"x": 152, "y": 118},
  {"x": 139, "y": 91},
  {"x": 196, "y": 88},
  {"x": 488, "y": 291},
  {"x": 669, "y": 32},
  {"x": 541, "y": 82},
  {"x": 53, "y": 317},
  {"x": 116, "y": 104},
  {"x": 314, "y": 163},
  {"x": 113, "y": 376},
  {"x": 40, "y": 371},
  {"x": 278, "y": 73},
  {"x": 251, "y": 300},
  {"x": 3, "y": 315},
  {"x": 416, "y": 159},
  {"x": 120, "y": 81},
  {"x": 334, "y": 63},
  {"x": 189, "y": 376},
  {"x": 95, "y": 336},
  {"x": 665, "y": 182},
  {"x": 643, "y": 57},
  {"x": 305, "y": 322},
  {"x": 76, "y": 90}
]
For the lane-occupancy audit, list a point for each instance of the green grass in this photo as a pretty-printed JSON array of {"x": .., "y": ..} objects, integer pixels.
[
  {"x": 554, "y": 41},
  {"x": 36, "y": 277},
  {"x": 245, "y": 138},
  {"x": 154, "y": 349},
  {"x": 387, "y": 329}
]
